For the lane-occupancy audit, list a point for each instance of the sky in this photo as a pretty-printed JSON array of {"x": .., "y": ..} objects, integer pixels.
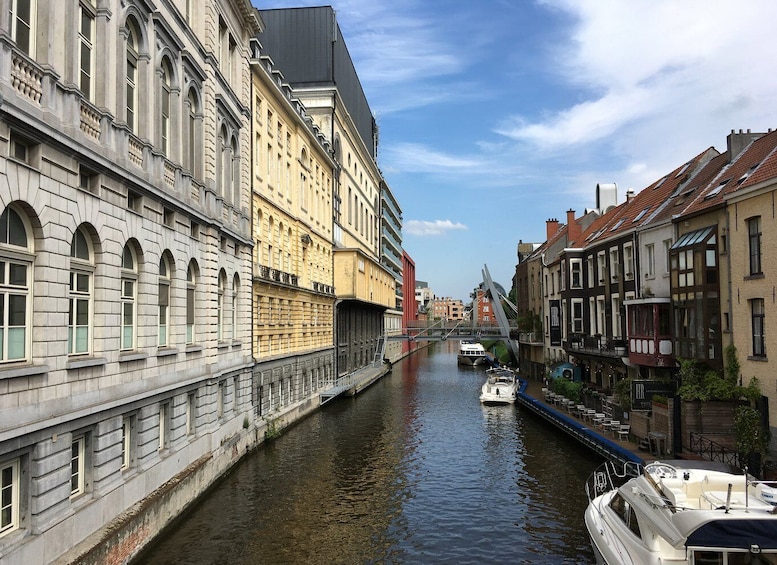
[{"x": 495, "y": 116}]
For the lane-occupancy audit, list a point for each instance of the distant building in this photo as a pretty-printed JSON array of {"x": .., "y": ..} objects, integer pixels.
[{"x": 447, "y": 309}]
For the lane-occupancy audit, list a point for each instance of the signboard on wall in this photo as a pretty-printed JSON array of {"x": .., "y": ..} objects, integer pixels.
[{"x": 642, "y": 392}]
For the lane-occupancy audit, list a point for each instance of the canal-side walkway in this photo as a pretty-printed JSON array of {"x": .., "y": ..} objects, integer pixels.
[{"x": 608, "y": 444}]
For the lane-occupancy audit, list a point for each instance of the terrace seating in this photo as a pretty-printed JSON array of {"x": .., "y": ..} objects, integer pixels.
[{"x": 623, "y": 432}]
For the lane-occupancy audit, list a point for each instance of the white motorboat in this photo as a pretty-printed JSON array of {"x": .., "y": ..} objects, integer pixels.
[
  {"x": 501, "y": 387},
  {"x": 690, "y": 514},
  {"x": 472, "y": 353}
]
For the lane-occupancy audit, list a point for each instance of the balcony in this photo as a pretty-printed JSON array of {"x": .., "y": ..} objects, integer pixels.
[
  {"x": 275, "y": 275},
  {"x": 597, "y": 345}
]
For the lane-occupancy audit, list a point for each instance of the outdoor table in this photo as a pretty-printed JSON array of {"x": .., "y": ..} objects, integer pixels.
[{"x": 657, "y": 443}]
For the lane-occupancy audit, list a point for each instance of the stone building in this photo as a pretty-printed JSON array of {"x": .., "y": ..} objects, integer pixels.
[
  {"x": 126, "y": 253},
  {"x": 293, "y": 288},
  {"x": 308, "y": 46}
]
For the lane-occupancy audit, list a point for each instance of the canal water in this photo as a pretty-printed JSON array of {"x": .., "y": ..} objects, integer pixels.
[{"x": 413, "y": 470}]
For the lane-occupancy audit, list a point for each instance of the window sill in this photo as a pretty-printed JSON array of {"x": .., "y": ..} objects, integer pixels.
[
  {"x": 758, "y": 359},
  {"x": 754, "y": 276},
  {"x": 128, "y": 356},
  {"x": 85, "y": 362},
  {"x": 192, "y": 348},
  {"x": 223, "y": 345},
  {"x": 237, "y": 343},
  {"x": 25, "y": 370},
  {"x": 166, "y": 351}
]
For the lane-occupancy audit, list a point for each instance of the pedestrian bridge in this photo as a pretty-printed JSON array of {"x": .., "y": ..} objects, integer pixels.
[{"x": 441, "y": 330}]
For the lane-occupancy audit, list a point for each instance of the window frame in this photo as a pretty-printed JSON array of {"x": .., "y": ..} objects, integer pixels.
[
  {"x": 78, "y": 454},
  {"x": 80, "y": 266},
  {"x": 15, "y": 253},
  {"x": 129, "y": 300},
  {"x": 86, "y": 44},
  {"x": 191, "y": 304},
  {"x": 163, "y": 302},
  {"x": 28, "y": 47},
  {"x": 10, "y": 476},
  {"x": 758, "y": 327},
  {"x": 754, "y": 245}
]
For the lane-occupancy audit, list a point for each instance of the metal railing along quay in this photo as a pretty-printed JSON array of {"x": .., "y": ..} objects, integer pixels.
[{"x": 594, "y": 441}]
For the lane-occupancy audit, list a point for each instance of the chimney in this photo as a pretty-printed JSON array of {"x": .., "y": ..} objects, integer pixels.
[
  {"x": 573, "y": 228},
  {"x": 738, "y": 142},
  {"x": 629, "y": 194},
  {"x": 551, "y": 227}
]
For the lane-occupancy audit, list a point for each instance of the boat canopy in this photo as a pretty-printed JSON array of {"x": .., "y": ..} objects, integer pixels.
[{"x": 735, "y": 534}]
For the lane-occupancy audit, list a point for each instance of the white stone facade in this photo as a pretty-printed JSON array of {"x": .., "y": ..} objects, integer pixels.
[{"x": 126, "y": 254}]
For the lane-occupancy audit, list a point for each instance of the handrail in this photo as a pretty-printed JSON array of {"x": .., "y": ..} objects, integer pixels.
[{"x": 712, "y": 450}]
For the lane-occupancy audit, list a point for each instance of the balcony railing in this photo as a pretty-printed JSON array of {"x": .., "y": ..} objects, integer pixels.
[
  {"x": 276, "y": 275},
  {"x": 598, "y": 345}
]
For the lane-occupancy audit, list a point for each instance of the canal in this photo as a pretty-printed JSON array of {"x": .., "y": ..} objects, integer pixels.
[{"x": 412, "y": 470}]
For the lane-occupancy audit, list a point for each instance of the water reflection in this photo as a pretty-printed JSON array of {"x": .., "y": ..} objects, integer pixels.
[{"x": 414, "y": 470}]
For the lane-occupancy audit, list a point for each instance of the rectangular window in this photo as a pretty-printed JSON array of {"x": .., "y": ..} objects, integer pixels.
[
  {"x": 164, "y": 426},
  {"x": 616, "y": 316},
  {"x": 77, "y": 466},
  {"x": 754, "y": 244},
  {"x": 9, "y": 496},
  {"x": 127, "y": 314},
  {"x": 220, "y": 400},
  {"x": 667, "y": 247},
  {"x": 191, "y": 413},
  {"x": 86, "y": 58},
  {"x": 577, "y": 315},
  {"x": 127, "y": 439},
  {"x": 650, "y": 260},
  {"x": 601, "y": 266},
  {"x": 78, "y": 314},
  {"x": 14, "y": 290},
  {"x": 628, "y": 262},
  {"x": 21, "y": 15},
  {"x": 758, "y": 323},
  {"x": 614, "y": 264},
  {"x": 590, "y": 268},
  {"x": 576, "y": 273}
]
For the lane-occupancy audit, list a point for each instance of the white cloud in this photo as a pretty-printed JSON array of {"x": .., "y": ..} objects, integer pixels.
[
  {"x": 414, "y": 157},
  {"x": 433, "y": 228},
  {"x": 648, "y": 62}
]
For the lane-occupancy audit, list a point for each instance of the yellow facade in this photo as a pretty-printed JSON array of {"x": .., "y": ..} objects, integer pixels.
[
  {"x": 360, "y": 277},
  {"x": 292, "y": 224},
  {"x": 747, "y": 287}
]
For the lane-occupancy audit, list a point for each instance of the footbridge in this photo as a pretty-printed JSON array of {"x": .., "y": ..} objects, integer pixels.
[{"x": 469, "y": 330}]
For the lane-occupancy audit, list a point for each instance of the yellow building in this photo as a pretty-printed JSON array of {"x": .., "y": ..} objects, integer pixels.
[{"x": 293, "y": 286}]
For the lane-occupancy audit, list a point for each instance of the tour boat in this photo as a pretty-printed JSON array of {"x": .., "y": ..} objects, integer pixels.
[
  {"x": 472, "y": 353},
  {"x": 694, "y": 513},
  {"x": 501, "y": 387}
]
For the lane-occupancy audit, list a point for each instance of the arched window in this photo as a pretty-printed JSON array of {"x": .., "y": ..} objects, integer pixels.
[
  {"x": 235, "y": 177},
  {"x": 15, "y": 286},
  {"x": 164, "y": 107},
  {"x": 220, "y": 306},
  {"x": 235, "y": 289},
  {"x": 193, "y": 134},
  {"x": 80, "y": 294},
  {"x": 164, "y": 301},
  {"x": 129, "y": 285},
  {"x": 222, "y": 168},
  {"x": 131, "y": 79},
  {"x": 191, "y": 287}
]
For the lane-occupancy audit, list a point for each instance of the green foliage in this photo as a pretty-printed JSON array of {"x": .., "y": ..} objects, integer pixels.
[
  {"x": 273, "y": 430},
  {"x": 698, "y": 385},
  {"x": 732, "y": 364},
  {"x": 567, "y": 389},
  {"x": 622, "y": 393},
  {"x": 751, "y": 437},
  {"x": 660, "y": 399}
]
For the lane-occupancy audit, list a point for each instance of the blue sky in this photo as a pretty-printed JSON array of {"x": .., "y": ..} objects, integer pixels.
[{"x": 499, "y": 114}]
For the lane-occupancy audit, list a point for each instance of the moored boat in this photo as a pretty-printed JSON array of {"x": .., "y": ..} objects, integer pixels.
[
  {"x": 472, "y": 353},
  {"x": 501, "y": 387},
  {"x": 687, "y": 514}
]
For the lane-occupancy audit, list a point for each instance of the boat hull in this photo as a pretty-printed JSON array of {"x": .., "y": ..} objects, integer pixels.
[{"x": 472, "y": 360}]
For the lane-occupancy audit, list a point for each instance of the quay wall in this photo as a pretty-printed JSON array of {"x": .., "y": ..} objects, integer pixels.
[{"x": 589, "y": 438}]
